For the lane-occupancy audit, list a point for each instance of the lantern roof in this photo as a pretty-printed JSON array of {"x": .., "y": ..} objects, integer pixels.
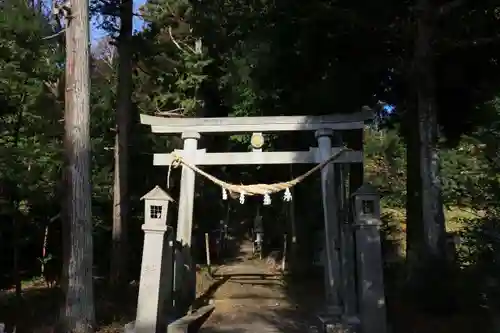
[
  {"x": 157, "y": 193},
  {"x": 366, "y": 189}
]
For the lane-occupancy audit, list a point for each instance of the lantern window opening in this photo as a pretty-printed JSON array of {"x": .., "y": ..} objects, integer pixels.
[
  {"x": 155, "y": 211},
  {"x": 368, "y": 207}
]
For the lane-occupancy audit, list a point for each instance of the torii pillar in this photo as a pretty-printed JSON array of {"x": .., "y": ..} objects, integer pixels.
[
  {"x": 185, "y": 273},
  {"x": 331, "y": 220}
]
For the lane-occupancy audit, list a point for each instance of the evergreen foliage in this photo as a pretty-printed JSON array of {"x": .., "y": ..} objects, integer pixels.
[{"x": 240, "y": 58}]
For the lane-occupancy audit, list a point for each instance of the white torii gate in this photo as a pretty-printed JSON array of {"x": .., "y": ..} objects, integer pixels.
[{"x": 191, "y": 128}]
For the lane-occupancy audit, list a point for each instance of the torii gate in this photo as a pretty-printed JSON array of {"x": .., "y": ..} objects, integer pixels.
[{"x": 340, "y": 292}]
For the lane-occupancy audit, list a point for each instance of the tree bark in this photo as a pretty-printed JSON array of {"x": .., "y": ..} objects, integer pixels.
[
  {"x": 120, "y": 189},
  {"x": 77, "y": 312},
  {"x": 425, "y": 217}
]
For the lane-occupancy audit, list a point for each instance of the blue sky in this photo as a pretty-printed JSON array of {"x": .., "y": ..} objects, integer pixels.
[{"x": 96, "y": 33}]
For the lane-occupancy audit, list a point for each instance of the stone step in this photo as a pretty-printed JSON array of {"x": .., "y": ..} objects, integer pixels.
[{"x": 254, "y": 327}]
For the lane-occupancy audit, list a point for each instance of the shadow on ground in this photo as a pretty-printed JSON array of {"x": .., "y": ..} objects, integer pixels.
[
  {"x": 248, "y": 276},
  {"x": 218, "y": 330},
  {"x": 265, "y": 321},
  {"x": 207, "y": 295}
]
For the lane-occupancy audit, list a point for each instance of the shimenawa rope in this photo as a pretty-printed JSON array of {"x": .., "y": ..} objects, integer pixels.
[{"x": 253, "y": 189}]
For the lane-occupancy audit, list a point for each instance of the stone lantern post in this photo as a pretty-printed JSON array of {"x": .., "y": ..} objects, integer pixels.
[
  {"x": 369, "y": 261},
  {"x": 156, "y": 268}
]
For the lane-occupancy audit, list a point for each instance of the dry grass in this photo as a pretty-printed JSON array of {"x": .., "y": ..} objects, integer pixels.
[
  {"x": 394, "y": 229},
  {"x": 40, "y": 307},
  {"x": 454, "y": 216}
]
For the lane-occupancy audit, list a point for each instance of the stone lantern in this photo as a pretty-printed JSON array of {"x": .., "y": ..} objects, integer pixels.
[
  {"x": 156, "y": 267},
  {"x": 369, "y": 261},
  {"x": 367, "y": 204},
  {"x": 156, "y": 206}
]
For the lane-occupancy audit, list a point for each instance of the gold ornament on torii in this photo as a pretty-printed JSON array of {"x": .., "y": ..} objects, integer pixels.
[{"x": 257, "y": 140}]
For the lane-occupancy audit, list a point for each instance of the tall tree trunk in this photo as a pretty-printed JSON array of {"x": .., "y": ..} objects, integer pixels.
[
  {"x": 425, "y": 217},
  {"x": 77, "y": 312},
  {"x": 120, "y": 189}
]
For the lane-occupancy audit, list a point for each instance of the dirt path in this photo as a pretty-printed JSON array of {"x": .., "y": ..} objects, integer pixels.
[{"x": 250, "y": 297}]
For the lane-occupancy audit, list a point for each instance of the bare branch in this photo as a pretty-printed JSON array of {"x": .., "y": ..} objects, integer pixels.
[
  {"x": 177, "y": 44},
  {"x": 171, "y": 113},
  {"x": 173, "y": 39},
  {"x": 191, "y": 49},
  {"x": 142, "y": 69},
  {"x": 55, "y": 35},
  {"x": 448, "y": 7},
  {"x": 477, "y": 42},
  {"x": 53, "y": 87},
  {"x": 173, "y": 110}
]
